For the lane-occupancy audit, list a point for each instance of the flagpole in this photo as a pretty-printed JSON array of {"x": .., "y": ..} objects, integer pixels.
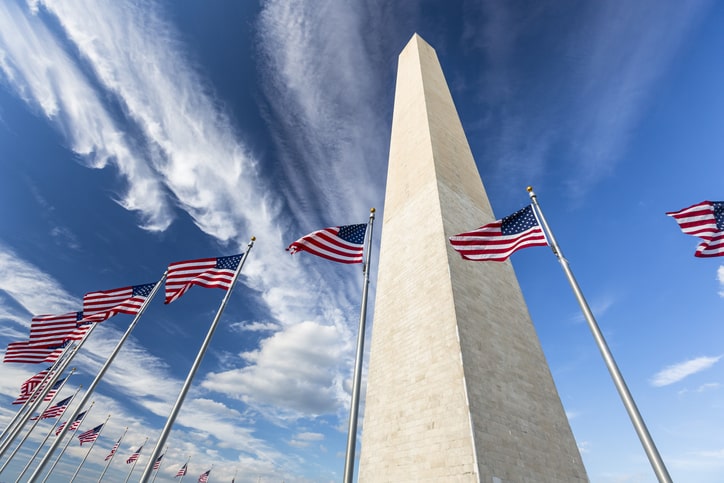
[
  {"x": 35, "y": 423},
  {"x": 63, "y": 362},
  {"x": 165, "y": 450},
  {"x": 98, "y": 377},
  {"x": 187, "y": 469},
  {"x": 110, "y": 460},
  {"x": 648, "y": 443},
  {"x": 50, "y": 431},
  {"x": 68, "y": 424},
  {"x": 357, "y": 381},
  {"x": 27, "y": 403},
  {"x": 192, "y": 372},
  {"x": 133, "y": 466},
  {"x": 89, "y": 450}
]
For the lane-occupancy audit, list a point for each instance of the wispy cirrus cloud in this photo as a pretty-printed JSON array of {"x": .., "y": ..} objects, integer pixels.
[
  {"x": 677, "y": 372},
  {"x": 31, "y": 288},
  {"x": 323, "y": 93},
  {"x": 46, "y": 76},
  {"x": 191, "y": 156},
  {"x": 720, "y": 278},
  {"x": 584, "y": 104}
]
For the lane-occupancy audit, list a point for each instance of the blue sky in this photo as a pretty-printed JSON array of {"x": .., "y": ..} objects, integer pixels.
[{"x": 135, "y": 134}]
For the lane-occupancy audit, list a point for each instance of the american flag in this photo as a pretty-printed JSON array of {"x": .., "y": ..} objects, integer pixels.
[
  {"x": 498, "y": 240},
  {"x": 157, "y": 464},
  {"x": 26, "y": 353},
  {"x": 28, "y": 387},
  {"x": 81, "y": 329},
  {"x": 57, "y": 409},
  {"x": 204, "y": 478},
  {"x": 74, "y": 426},
  {"x": 134, "y": 456},
  {"x": 99, "y": 306},
  {"x": 48, "y": 330},
  {"x": 55, "y": 352},
  {"x": 182, "y": 471},
  {"x": 343, "y": 244},
  {"x": 706, "y": 221},
  {"x": 114, "y": 449},
  {"x": 90, "y": 435},
  {"x": 204, "y": 272}
]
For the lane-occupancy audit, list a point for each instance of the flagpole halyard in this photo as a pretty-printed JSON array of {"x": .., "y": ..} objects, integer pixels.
[
  {"x": 192, "y": 372},
  {"x": 357, "y": 381},
  {"x": 649, "y": 447}
]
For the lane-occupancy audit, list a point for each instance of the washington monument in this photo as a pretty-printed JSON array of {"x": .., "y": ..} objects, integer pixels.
[{"x": 458, "y": 386}]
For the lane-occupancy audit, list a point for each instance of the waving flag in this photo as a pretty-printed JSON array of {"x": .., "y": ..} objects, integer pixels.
[
  {"x": 204, "y": 272},
  {"x": 204, "y": 478},
  {"x": 55, "y": 352},
  {"x": 81, "y": 329},
  {"x": 343, "y": 244},
  {"x": 157, "y": 464},
  {"x": 706, "y": 221},
  {"x": 114, "y": 449},
  {"x": 46, "y": 330},
  {"x": 99, "y": 306},
  {"x": 26, "y": 353},
  {"x": 182, "y": 471},
  {"x": 74, "y": 426},
  {"x": 28, "y": 387},
  {"x": 498, "y": 240},
  {"x": 56, "y": 410},
  {"x": 90, "y": 435},
  {"x": 134, "y": 456}
]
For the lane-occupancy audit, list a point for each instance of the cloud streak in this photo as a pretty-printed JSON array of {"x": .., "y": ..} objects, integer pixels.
[{"x": 677, "y": 372}]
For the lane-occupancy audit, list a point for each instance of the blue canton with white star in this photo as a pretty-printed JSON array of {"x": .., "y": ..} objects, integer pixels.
[
  {"x": 228, "y": 263},
  {"x": 718, "y": 214},
  {"x": 353, "y": 233},
  {"x": 143, "y": 290},
  {"x": 518, "y": 222}
]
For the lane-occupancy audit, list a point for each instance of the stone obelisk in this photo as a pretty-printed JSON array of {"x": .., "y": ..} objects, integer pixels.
[{"x": 458, "y": 387}]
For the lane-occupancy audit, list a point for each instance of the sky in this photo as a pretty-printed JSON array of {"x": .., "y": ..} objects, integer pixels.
[{"x": 137, "y": 134}]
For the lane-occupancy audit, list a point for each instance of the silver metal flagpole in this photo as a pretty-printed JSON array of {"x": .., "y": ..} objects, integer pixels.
[
  {"x": 192, "y": 372},
  {"x": 648, "y": 443},
  {"x": 35, "y": 423},
  {"x": 27, "y": 403},
  {"x": 89, "y": 450},
  {"x": 165, "y": 450},
  {"x": 68, "y": 424},
  {"x": 98, "y": 377},
  {"x": 50, "y": 431},
  {"x": 112, "y": 456},
  {"x": 187, "y": 469},
  {"x": 63, "y": 362},
  {"x": 357, "y": 381},
  {"x": 135, "y": 461}
]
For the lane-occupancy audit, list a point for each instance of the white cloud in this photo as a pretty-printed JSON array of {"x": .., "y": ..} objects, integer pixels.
[
  {"x": 720, "y": 277},
  {"x": 321, "y": 89},
  {"x": 43, "y": 74},
  {"x": 31, "y": 288},
  {"x": 292, "y": 374},
  {"x": 677, "y": 372},
  {"x": 190, "y": 147}
]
